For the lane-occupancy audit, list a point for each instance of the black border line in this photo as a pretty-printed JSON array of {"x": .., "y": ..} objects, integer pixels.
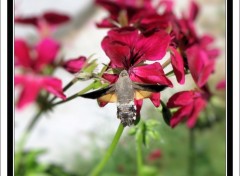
[
  {"x": 229, "y": 59},
  {"x": 10, "y": 56},
  {"x": 229, "y": 77}
]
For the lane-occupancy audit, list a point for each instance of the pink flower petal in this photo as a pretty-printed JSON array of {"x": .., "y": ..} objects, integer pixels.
[
  {"x": 153, "y": 47},
  {"x": 54, "y": 86},
  {"x": 178, "y": 65},
  {"x": 155, "y": 98},
  {"x": 178, "y": 116},
  {"x": 74, "y": 65},
  {"x": 30, "y": 90},
  {"x": 47, "y": 51},
  {"x": 152, "y": 74},
  {"x": 194, "y": 9},
  {"x": 182, "y": 98},
  {"x": 206, "y": 72},
  {"x": 112, "y": 78},
  {"x": 198, "y": 106},
  {"x": 21, "y": 53},
  {"x": 221, "y": 85},
  {"x": 117, "y": 52}
]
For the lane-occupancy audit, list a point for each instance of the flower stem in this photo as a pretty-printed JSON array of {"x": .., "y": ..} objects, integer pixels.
[
  {"x": 139, "y": 156},
  {"x": 75, "y": 95},
  {"x": 191, "y": 164},
  {"x": 109, "y": 152},
  {"x": 165, "y": 64}
]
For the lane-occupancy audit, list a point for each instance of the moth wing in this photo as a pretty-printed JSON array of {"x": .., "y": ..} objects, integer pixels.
[
  {"x": 141, "y": 94},
  {"x": 145, "y": 90},
  {"x": 149, "y": 87},
  {"x": 99, "y": 93},
  {"x": 109, "y": 98}
]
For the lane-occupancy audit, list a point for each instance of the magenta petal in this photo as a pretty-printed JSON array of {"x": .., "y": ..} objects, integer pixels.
[
  {"x": 155, "y": 98},
  {"x": 55, "y": 18},
  {"x": 75, "y": 65},
  {"x": 178, "y": 65},
  {"x": 199, "y": 105},
  {"x": 194, "y": 9},
  {"x": 47, "y": 51},
  {"x": 221, "y": 85},
  {"x": 115, "y": 51},
  {"x": 153, "y": 47},
  {"x": 54, "y": 86},
  {"x": 178, "y": 116},
  {"x": 182, "y": 98},
  {"x": 152, "y": 74},
  {"x": 206, "y": 72},
  {"x": 30, "y": 90},
  {"x": 21, "y": 53},
  {"x": 112, "y": 78},
  {"x": 138, "y": 104},
  {"x": 196, "y": 58},
  {"x": 168, "y": 5},
  {"x": 206, "y": 40}
]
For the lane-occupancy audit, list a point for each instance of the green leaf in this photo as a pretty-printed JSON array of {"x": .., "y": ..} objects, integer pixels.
[{"x": 149, "y": 171}]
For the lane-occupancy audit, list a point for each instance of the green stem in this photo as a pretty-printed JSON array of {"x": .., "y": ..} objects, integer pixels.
[
  {"x": 109, "y": 152},
  {"x": 75, "y": 95},
  {"x": 139, "y": 156},
  {"x": 23, "y": 140},
  {"x": 191, "y": 165}
]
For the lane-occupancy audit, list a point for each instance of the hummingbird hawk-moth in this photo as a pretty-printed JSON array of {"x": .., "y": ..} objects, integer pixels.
[{"x": 124, "y": 91}]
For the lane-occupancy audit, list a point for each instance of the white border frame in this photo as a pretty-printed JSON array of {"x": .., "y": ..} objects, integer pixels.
[{"x": 3, "y": 79}]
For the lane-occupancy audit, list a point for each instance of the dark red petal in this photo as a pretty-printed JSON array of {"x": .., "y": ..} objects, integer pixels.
[
  {"x": 27, "y": 20},
  {"x": 155, "y": 98},
  {"x": 21, "y": 53},
  {"x": 197, "y": 58},
  {"x": 153, "y": 47},
  {"x": 47, "y": 51},
  {"x": 178, "y": 65},
  {"x": 152, "y": 74},
  {"x": 75, "y": 65},
  {"x": 105, "y": 23},
  {"x": 115, "y": 51},
  {"x": 182, "y": 98},
  {"x": 112, "y": 78},
  {"x": 55, "y": 18},
  {"x": 182, "y": 113},
  {"x": 206, "y": 72},
  {"x": 198, "y": 105},
  {"x": 138, "y": 104},
  {"x": 54, "y": 86}
]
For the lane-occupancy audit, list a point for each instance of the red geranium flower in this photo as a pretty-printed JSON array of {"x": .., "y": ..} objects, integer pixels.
[
  {"x": 190, "y": 104},
  {"x": 45, "y": 23},
  {"x": 32, "y": 62},
  {"x": 127, "y": 49},
  {"x": 75, "y": 65},
  {"x": 130, "y": 7}
]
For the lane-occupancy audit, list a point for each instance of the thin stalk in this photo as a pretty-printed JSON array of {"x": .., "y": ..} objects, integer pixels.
[
  {"x": 165, "y": 64},
  {"x": 191, "y": 165},
  {"x": 139, "y": 156},
  {"x": 75, "y": 95},
  {"x": 109, "y": 152}
]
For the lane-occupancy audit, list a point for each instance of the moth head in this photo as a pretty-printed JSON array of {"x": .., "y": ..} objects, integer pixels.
[{"x": 124, "y": 73}]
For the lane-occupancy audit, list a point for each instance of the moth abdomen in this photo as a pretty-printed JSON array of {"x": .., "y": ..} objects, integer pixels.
[{"x": 126, "y": 113}]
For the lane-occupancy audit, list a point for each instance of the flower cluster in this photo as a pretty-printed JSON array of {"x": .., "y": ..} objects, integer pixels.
[
  {"x": 139, "y": 32},
  {"x": 36, "y": 63}
]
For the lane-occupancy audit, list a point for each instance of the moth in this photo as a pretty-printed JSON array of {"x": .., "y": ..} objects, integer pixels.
[{"x": 124, "y": 91}]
